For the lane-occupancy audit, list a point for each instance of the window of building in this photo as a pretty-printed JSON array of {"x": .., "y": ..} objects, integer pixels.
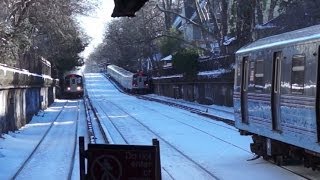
[{"x": 297, "y": 74}]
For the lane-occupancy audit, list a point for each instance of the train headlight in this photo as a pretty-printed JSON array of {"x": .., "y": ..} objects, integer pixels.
[
  {"x": 68, "y": 88},
  {"x": 78, "y": 88}
]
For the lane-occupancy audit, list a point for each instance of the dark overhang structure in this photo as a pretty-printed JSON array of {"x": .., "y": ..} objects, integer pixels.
[{"x": 127, "y": 8}]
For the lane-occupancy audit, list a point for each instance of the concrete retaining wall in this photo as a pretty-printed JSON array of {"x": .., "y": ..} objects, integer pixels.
[
  {"x": 217, "y": 90},
  {"x": 22, "y": 95}
]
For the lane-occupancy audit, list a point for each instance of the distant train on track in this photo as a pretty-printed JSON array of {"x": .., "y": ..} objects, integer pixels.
[
  {"x": 130, "y": 82},
  {"x": 73, "y": 86},
  {"x": 277, "y": 95}
]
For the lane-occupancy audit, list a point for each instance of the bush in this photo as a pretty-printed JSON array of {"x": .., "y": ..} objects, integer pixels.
[
  {"x": 168, "y": 45},
  {"x": 186, "y": 62}
]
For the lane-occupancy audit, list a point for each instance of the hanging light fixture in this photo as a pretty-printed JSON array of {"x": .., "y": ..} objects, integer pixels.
[{"x": 127, "y": 8}]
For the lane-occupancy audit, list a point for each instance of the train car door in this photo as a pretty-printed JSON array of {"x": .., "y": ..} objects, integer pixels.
[
  {"x": 244, "y": 89},
  {"x": 73, "y": 84},
  {"x": 318, "y": 96},
  {"x": 275, "y": 92},
  {"x": 140, "y": 81}
]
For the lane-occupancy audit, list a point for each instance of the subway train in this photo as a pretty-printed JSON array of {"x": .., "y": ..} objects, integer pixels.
[
  {"x": 73, "y": 86},
  {"x": 277, "y": 96},
  {"x": 130, "y": 82}
]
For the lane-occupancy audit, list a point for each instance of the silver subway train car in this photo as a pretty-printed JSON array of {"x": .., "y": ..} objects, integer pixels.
[
  {"x": 73, "y": 85},
  {"x": 277, "y": 95},
  {"x": 130, "y": 82}
]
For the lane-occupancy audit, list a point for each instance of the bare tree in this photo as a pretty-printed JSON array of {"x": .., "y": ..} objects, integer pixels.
[
  {"x": 273, "y": 5},
  {"x": 33, "y": 28},
  {"x": 128, "y": 41}
]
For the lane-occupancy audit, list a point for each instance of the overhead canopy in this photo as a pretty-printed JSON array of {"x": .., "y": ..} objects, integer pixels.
[{"x": 123, "y": 8}]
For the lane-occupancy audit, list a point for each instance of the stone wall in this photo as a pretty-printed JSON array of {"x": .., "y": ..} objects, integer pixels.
[
  {"x": 210, "y": 90},
  {"x": 22, "y": 95}
]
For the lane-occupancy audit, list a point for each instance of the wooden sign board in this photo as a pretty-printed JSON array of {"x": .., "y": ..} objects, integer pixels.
[{"x": 122, "y": 161}]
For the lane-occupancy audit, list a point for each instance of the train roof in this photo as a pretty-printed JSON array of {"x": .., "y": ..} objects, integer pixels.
[
  {"x": 300, "y": 35},
  {"x": 120, "y": 70}
]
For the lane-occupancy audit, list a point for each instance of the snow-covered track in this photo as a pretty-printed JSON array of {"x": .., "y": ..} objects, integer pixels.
[
  {"x": 202, "y": 111},
  {"x": 114, "y": 125},
  {"x": 135, "y": 133},
  {"x": 190, "y": 109},
  {"x": 36, "y": 151},
  {"x": 202, "y": 130},
  {"x": 96, "y": 131},
  {"x": 298, "y": 170},
  {"x": 301, "y": 172},
  {"x": 177, "y": 105},
  {"x": 210, "y": 174}
]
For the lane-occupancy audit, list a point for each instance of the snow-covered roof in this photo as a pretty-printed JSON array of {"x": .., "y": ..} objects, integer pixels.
[
  {"x": 229, "y": 41},
  {"x": 120, "y": 70},
  {"x": 167, "y": 58},
  {"x": 207, "y": 74},
  {"x": 168, "y": 77},
  {"x": 214, "y": 73},
  {"x": 265, "y": 26},
  {"x": 305, "y": 34},
  {"x": 6, "y": 68}
]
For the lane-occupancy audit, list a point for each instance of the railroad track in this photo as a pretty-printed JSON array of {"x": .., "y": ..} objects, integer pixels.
[
  {"x": 96, "y": 130},
  {"x": 177, "y": 105},
  {"x": 161, "y": 139},
  {"x": 302, "y": 171},
  {"x": 190, "y": 109},
  {"x": 211, "y": 116},
  {"x": 43, "y": 138}
]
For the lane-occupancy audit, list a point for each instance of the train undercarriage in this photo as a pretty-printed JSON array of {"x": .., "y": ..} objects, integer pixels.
[{"x": 282, "y": 153}]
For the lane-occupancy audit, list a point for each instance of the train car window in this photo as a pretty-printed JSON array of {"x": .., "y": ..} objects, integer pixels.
[
  {"x": 79, "y": 80},
  {"x": 297, "y": 74},
  {"x": 251, "y": 75},
  {"x": 239, "y": 69},
  {"x": 245, "y": 74},
  {"x": 67, "y": 80},
  {"x": 238, "y": 77},
  {"x": 259, "y": 76},
  {"x": 277, "y": 73},
  {"x": 73, "y": 81}
]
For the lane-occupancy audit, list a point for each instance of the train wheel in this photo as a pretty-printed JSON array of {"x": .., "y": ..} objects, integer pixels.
[
  {"x": 278, "y": 159},
  {"x": 266, "y": 157}
]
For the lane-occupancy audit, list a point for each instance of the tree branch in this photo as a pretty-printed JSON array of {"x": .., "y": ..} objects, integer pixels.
[{"x": 187, "y": 19}]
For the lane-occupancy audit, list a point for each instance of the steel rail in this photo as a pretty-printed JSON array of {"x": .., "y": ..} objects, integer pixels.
[{"x": 37, "y": 146}]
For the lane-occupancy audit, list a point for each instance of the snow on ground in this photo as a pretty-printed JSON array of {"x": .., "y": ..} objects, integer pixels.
[
  {"x": 55, "y": 152},
  {"x": 220, "y": 111},
  {"x": 16, "y": 146},
  {"x": 186, "y": 139}
]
